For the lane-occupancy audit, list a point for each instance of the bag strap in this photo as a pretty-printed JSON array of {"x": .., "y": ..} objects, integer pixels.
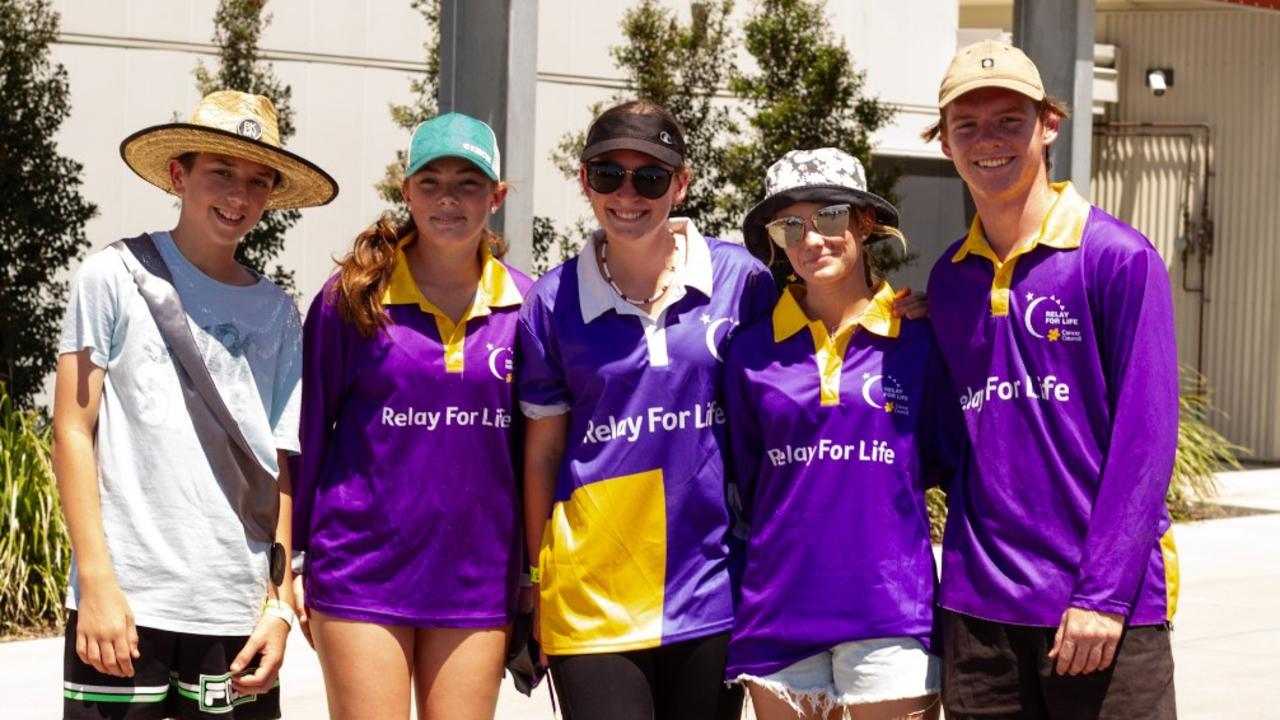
[{"x": 248, "y": 484}]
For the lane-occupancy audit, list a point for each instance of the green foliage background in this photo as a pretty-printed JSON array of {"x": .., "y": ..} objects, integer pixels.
[
  {"x": 42, "y": 213},
  {"x": 804, "y": 93},
  {"x": 237, "y": 27},
  {"x": 35, "y": 553}
]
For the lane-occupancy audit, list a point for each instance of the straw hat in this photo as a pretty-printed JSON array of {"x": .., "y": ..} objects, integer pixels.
[{"x": 239, "y": 125}]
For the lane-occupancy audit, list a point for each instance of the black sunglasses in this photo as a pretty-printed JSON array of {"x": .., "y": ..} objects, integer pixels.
[{"x": 650, "y": 181}]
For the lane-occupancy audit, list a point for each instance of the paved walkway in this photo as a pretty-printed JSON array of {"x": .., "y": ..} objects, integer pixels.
[{"x": 1226, "y": 639}]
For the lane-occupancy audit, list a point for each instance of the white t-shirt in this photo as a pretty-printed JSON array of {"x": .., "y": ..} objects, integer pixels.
[{"x": 178, "y": 549}]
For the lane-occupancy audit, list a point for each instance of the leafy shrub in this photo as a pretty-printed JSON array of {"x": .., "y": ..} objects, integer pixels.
[
  {"x": 937, "y": 503},
  {"x": 35, "y": 552},
  {"x": 1202, "y": 451}
]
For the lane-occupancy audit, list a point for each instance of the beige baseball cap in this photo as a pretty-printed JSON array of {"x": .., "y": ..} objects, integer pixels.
[{"x": 990, "y": 63}]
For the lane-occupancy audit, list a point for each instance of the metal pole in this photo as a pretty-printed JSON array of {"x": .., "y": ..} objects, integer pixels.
[
  {"x": 1058, "y": 37},
  {"x": 488, "y": 69}
]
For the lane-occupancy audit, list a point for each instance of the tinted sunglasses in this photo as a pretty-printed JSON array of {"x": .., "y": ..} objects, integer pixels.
[
  {"x": 830, "y": 221},
  {"x": 650, "y": 181}
]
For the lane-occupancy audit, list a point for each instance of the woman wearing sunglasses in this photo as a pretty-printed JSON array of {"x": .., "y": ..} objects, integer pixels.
[
  {"x": 837, "y": 417},
  {"x": 624, "y": 481}
]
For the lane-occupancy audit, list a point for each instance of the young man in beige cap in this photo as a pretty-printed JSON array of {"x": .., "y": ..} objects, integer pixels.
[
  {"x": 1059, "y": 575},
  {"x": 178, "y": 591}
]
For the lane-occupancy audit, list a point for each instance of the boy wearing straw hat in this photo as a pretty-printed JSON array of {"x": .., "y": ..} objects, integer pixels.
[
  {"x": 1059, "y": 575},
  {"x": 173, "y": 612}
]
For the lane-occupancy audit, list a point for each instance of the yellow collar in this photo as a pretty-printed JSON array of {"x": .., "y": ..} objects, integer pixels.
[
  {"x": 789, "y": 317},
  {"x": 1062, "y": 227},
  {"x": 496, "y": 288}
]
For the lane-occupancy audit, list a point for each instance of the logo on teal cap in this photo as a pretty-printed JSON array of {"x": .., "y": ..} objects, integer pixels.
[{"x": 455, "y": 135}]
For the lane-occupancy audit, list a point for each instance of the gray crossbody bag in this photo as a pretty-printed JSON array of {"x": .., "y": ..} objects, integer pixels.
[{"x": 251, "y": 488}]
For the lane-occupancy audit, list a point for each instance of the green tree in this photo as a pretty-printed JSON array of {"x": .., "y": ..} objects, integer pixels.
[
  {"x": 424, "y": 106},
  {"x": 805, "y": 93},
  {"x": 237, "y": 27},
  {"x": 42, "y": 213},
  {"x": 683, "y": 67}
]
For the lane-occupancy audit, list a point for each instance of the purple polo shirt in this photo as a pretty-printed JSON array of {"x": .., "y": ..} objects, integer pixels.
[
  {"x": 406, "y": 500},
  {"x": 635, "y": 554},
  {"x": 1064, "y": 361},
  {"x": 834, "y": 440}
]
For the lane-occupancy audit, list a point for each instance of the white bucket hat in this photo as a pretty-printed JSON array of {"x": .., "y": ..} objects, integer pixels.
[{"x": 825, "y": 175}]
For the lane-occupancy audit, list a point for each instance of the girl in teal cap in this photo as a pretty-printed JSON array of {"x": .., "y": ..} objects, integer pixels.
[{"x": 406, "y": 501}]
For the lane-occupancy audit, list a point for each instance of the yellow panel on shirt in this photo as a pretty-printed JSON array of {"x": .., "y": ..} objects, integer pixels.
[{"x": 603, "y": 581}]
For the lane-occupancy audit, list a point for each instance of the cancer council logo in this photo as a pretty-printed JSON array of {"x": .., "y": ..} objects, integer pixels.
[
  {"x": 718, "y": 332},
  {"x": 500, "y": 361},
  {"x": 884, "y": 392},
  {"x": 1047, "y": 319}
]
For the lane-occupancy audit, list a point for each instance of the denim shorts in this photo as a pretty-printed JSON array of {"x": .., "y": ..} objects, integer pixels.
[{"x": 856, "y": 672}]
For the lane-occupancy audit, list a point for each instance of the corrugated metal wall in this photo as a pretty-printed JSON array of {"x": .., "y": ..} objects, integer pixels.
[{"x": 1226, "y": 66}]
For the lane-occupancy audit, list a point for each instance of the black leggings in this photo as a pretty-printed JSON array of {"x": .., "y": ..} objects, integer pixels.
[{"x": 672, "y": 682}]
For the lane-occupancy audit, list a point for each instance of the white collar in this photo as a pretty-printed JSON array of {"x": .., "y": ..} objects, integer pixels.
[{"x": 595, "y": 296}]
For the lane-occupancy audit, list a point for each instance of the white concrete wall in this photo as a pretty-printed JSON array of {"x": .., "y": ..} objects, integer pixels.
[{"x": 130, "y": 65}]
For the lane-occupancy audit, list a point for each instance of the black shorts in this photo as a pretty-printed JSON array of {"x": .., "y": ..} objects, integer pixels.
[
  {"x": 997, "y": 670},
  {"x": 177, "y": 675}
]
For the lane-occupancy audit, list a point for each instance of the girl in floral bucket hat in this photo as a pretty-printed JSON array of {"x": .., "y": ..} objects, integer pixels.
[{"x": 839, "y": 418}]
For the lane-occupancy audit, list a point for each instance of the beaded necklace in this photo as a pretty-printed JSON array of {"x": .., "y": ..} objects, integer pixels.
[{"x": 608, "y": 276}]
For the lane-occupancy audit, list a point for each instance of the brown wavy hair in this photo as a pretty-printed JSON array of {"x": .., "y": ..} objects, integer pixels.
[{"x": 365, "y": 272}]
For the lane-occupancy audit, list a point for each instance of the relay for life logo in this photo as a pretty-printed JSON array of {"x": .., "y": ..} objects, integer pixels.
[
  {"x": 1047, "y": 319},
  {"x": 718, "y": 332},
  {"x": 884, "y": 392},
  {"x": 500, "y": 361}
]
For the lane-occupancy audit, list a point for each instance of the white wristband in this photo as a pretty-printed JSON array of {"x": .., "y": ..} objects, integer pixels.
[{"x": 278, "y": 609}]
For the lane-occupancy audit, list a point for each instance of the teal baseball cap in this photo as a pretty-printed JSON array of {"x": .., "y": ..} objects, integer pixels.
[{"x": 455, "y": 135}]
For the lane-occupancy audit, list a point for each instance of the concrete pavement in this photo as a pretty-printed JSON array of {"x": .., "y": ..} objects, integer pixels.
[{"x": 1226, "y": 634}]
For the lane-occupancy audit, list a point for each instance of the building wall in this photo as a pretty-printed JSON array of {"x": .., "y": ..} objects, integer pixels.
[
  {"x": 1224, "y": 64},
  {"x": 130, "y": 65}
]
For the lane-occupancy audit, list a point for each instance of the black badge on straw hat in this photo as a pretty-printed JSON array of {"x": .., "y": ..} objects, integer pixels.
[{"x": 652, "y": 135}]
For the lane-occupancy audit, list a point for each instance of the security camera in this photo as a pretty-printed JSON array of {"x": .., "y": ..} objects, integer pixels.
[{"x": 1159, "y": 80}]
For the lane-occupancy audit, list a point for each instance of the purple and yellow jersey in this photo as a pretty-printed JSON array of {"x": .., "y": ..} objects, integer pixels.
[
  {"x": 834, "y": 440},
  {"x": 1064, "y": 361},
  {"x": 406, "y": 500},
  {"x": 635, "y": 551}
]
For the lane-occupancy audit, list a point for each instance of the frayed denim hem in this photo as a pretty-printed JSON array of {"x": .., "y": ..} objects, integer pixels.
[{"x": 821, "y": 701}]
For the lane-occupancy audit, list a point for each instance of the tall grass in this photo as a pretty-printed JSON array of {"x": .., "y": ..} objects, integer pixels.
[
  {"x": 35, "y": 553},
  {"x": 1202, "y": 452}
]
